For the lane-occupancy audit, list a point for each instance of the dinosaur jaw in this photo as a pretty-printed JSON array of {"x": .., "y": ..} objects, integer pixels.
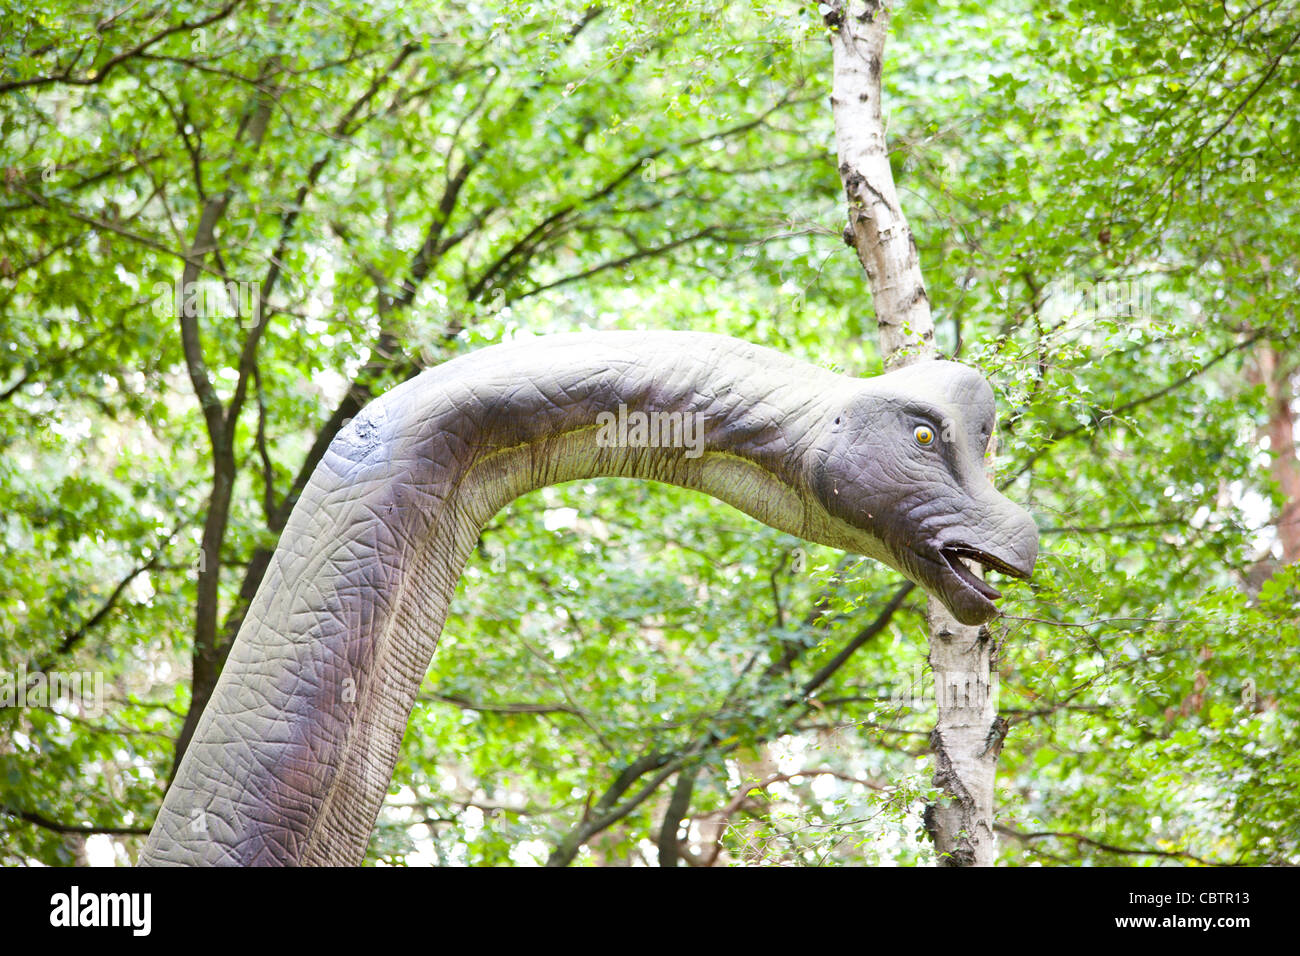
[{"x": 969, "y": 597}]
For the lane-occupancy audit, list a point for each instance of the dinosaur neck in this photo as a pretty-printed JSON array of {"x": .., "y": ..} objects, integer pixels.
[{"x": 316, "y": 693}]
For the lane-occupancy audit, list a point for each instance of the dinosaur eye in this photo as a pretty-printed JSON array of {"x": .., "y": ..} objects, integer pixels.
[{"x": 923, "y": 434}]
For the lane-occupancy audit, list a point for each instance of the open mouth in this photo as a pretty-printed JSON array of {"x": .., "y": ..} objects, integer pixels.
[{"x": 952, "y": 555}]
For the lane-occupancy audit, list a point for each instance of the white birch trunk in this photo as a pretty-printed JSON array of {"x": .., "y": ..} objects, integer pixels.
[{"x": 968, "y": 734}]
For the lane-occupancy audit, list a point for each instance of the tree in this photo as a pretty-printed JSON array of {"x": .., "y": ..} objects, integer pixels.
[{"x": 968, "y": 733}]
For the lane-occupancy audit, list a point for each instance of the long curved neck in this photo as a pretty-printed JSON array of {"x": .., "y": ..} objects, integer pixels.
[{"x": 294, "y": 752}]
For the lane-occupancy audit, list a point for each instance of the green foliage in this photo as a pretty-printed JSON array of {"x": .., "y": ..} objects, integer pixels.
[{"x": 1103, "y": 202}]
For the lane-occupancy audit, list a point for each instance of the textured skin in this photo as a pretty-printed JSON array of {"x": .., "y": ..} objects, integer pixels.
[{"x": 294, "y": 752}]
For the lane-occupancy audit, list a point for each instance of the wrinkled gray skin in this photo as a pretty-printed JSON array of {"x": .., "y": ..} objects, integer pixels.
[{"x": 294, "y": 752}]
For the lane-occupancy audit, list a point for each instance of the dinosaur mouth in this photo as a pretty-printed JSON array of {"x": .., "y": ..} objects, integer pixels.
[
  {"x": 952, "y": 555},
  {"x": 966, "y": 594}
]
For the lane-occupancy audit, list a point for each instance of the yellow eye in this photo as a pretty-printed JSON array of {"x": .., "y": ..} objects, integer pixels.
[{"x": 923, "y": 434}]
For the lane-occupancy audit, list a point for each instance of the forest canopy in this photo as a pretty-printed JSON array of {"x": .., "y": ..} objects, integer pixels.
[{"x": 226, "y": 225}]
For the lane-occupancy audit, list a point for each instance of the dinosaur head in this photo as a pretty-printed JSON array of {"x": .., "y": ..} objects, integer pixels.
[{"x": 902, "y": 459}]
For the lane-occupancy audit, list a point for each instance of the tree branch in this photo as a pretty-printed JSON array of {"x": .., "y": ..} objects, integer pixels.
[
  {"x": 46, "y": 823},
  {"x": 98, "y": 74},
  {"x": 1106, "y": 847}
]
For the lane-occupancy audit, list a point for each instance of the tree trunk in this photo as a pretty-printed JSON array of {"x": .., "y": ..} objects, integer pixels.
[
  {"x": 967, "y": 737},
  {"x": 1276, "y": 374}
]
